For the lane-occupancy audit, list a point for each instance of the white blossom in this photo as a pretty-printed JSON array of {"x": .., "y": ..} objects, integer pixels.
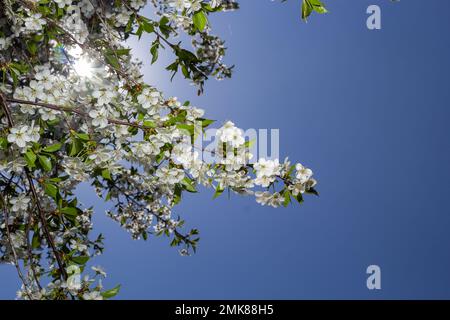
[
  {"x": 21, "y": 135},
  {"x": 19, "y": 203},
  {"x": 63, "y": 3},
  {"x": 170, "y": 175},
  {"x": 99, "y": 117},
  {"x": 93, "y": 295},
  {"x": 35, "y": 22},
  {"x": 303, "y": 174},
  {"x": 149, "y": 99}
]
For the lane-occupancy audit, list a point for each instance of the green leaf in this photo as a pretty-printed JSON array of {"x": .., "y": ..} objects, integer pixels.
[
  {"x": 164, "y": 26},
  {"x": 207, "y": 122},
  {"x": 32, "y": 47},
  {"x": 53, "y": 148},
  {"x": 306, "y": 9},
  {"x": 174, "y": 68},
  {"x": 299, "y": 198},
  {"x": 70, "y": 211},
  {"x": 312, "y": 191},
  {"x": 129, "y": 26},
  {"x": 186, "y": 55},
  {"x": 200, "y": 20},
  {"x": 186, "y": 127},
  {"x": 218, "y": 192},
  {"x": 83, "y": 136},
  {"x": 154, "y": 51},
  {"x": 164, "y": 21},
  {"x": 122, "y": 52},
  {"x": 185, "y": 71},
  {"x": 111, "y": 293},
  {"x": 36, "y": 241},
  {"x": 112, "y": 60},
  {"x": 149, "y": 124},
  {"x": 81, "y": 260},
  {"x": 45, "y": 162},
  {"x": 3, "y": 143},
  {"x": 188, "y": 185},
  {"x": 287, "y": 198},
  {"x": 30, "y": 158},
  {"x": 20, "y": 68},
  {"x": 308, "y": 6},
  {"x": 75, "y": 147},
  {"x": 176, "y": 119},
  {"x": 139, "y": 32},
  {"x": 146, "y": 25},
  {"x": 106, "y": 174},
  {"x": 177, "y": 194},
  {"x": 318, "y": 6},
  {"x": 51, "y": 190}
]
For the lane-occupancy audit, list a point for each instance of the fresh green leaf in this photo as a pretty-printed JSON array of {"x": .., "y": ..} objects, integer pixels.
[
  {"x": 51, "y": 190},
  {"x": 45, "y": 162},
  {"x": 83, "y": 136},
  {"x": 287, "y": 198},
  {"x": 218, "y": 192},
  {"x": 36, "y": 240},
  {"x": 30, "y": 158},
  {"x": 149, "y": 124},
  {"x": 146, "y": 25},
  {"x": 3, "y": 143},
  {"x": 111, "y": 293},
  {"x": 312, "y": 191},
  {"x": 154, "y": 51},
  {"x": 81, "y": 260},
  {"x": 112, "y": 60},
  {"x": 200, "y": 20},
  {"x": 106, "y": 174},
  {"x": 70, "y": 211},
  {"x": 188, "y": 185},
  {"x": 53, "y": 148}
]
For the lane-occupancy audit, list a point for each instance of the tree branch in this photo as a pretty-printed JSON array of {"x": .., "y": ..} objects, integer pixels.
[{"x": 76, "y": 111}]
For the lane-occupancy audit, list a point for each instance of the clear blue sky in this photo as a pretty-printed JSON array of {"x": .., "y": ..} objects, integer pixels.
[{"x": 367, "y": 110}]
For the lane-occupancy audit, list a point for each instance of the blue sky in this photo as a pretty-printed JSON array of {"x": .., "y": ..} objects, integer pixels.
[{"x": 366, "y": 110}]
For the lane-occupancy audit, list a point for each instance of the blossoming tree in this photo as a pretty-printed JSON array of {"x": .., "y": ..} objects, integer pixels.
[{"x": 74, "y": 108}]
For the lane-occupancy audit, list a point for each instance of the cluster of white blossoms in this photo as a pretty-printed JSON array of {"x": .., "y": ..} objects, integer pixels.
[
  {"x": 150, "y": 99},
  {"x": 107, "y": 127},
  {"x": 170, "y": 176},
  {"x": 188, "y": 5},
  {"x": 266, "y": 198},
  {"x": 73, "y": 22},
  {"x": 192, "y": 5},
  {"x": 24, "y": 134},
  {"x": 266, "y": 171},
  {"x": 230, "y": 134},
  {"x": 303, "y": 180},
  {"x": 63, "y": 3}
]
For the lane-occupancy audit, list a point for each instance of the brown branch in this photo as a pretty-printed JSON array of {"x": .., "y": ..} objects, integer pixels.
[
  {"x": 43, "y": 219},
  {"x": 76, "y": 111},
  {"x": 30, "y": 252}
]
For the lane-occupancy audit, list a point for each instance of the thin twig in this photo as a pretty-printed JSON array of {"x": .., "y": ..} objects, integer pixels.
[{"x": 13, "y": 249}]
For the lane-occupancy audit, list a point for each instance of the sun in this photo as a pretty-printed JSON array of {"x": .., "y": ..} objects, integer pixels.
[
  {"x": 80, "y": 63},
  {"x": 83, "y": 67}
]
